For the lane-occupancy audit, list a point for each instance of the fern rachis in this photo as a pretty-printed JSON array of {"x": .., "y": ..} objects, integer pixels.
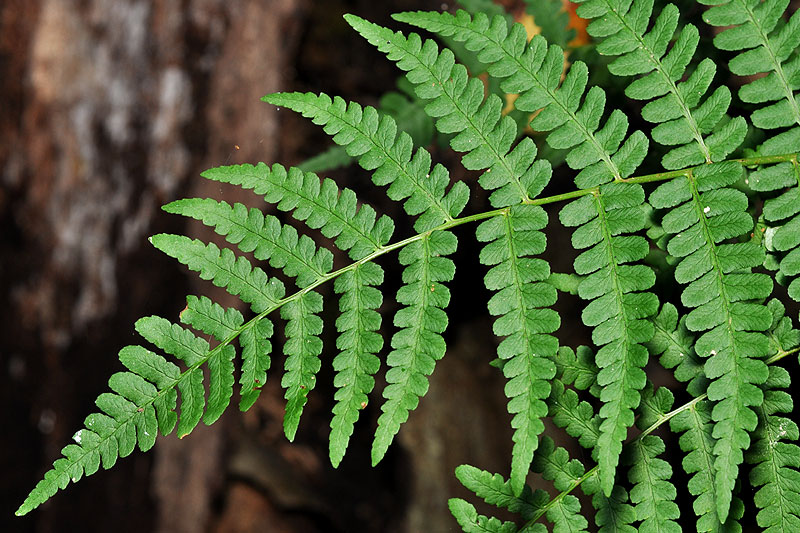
[{"x": 695, "y": 224}]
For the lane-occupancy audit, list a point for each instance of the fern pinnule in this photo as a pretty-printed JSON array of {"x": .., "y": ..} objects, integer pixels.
[
  {"x": 725, "y": 298},
  {"x": 418, "y": 344},
  {"x": 319, "y": 203},
  {"x": 534, "y": 71},
  {"x": 521, "y": 303},
  {"x": 471, "y": 522},
  {"x": 701, "y": 131},
  {"x": 653, "y": 494},
  {"x": 256, "y": 349},
  {"x": 619, "y": 308},
  {"x": 374, "y": 139}
]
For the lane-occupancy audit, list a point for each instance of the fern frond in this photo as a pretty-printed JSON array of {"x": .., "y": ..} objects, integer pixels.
[
  {"x": 321, "y": 204},
  {"x": 619, "y": 306},
  {"x": 268, "y": 239},
  {"x": 673, "y": 342},
  {"x": 783, "y": 215},
  {"x": 697, "y": 441},
  {"x": 777, "y": 461},
  {"x": 534, "y": 71},
  {"x": 769, "y": 46},
  {"x": 358, "y": 343},
  {"x": 224, "y": 269},
  {"x": 522, "y": 302},
  {"x": 457, "y": 102},
  {"x": 724, "y": 294},
  {"x": 374, "y": 139},
  {"x": 701, "y": 131},
  {"x": 302, "y": 348},
  {"x": 418, "y": 344}
]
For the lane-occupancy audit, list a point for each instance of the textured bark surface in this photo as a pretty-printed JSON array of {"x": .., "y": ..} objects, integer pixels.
[{"x": 111, "y": 108}]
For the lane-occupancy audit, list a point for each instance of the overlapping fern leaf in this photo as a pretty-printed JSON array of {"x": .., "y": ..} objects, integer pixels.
[
  {"x": 724, "y": 296},
  {"x": 701, "y": 131},
  {"x": 620, "y": 304},
  {"x": 418, "y": 344},
  {"x": 768, "y": 46}
]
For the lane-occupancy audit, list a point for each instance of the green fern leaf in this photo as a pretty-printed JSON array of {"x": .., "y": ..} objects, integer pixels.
[
  {"x": 521, "y": 295},
  {"x": 701, "y": 130},
  {"x": 782, "y": 335},
  {"x": 222, "y": 324},
  {"x": 471, "y": 522},
  {"x": 724, "y": 303},
  {"x": 418, "y": 344},
  {"x": 374, "y": 139},
  {"x": 191, "y": 350},
  {"x": 495, "y": 490},
  {"x": 256, "y": 348},
  {"x": 143, "y": 403},
  {"x": 777, "y": 462},
  {"x": 575, "y": 416},
  {"x": 358, "y": 343},
  {"x": 211, "y": 318},
  {"x": 673, "y": 342},
  {"x": 322, "y": 205},
  {"x": 265, "y": 236},
  {"x": 576, "y": 367},
  {"x": 653, "y": 495},
  {"x": 457, "y": 102},
  {"x": 768, "y": 47},
  {"x": 697, "y": 441},
  {"x": 534, "y": 71},
  {"x": 224, "y": 269},
  {"x": 783, "y": 215},
  {"x": 302, "y": 348},
  {"x": 618, "y": 308},
  {"x": 614, "y": 513},
  {"x": 163, "y": 374}
]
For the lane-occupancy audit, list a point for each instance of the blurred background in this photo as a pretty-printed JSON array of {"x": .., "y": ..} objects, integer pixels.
[{"x": 111, "y": 108}]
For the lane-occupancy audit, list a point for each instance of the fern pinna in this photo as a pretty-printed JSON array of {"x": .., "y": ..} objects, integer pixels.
[{"x": 677, "y": 257}]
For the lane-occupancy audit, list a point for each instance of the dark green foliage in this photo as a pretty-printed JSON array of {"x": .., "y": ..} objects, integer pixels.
[{"x": 676, "y": 267}]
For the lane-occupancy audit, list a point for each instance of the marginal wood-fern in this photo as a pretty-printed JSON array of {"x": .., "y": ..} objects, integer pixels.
[{"x": 685, "y": 217}]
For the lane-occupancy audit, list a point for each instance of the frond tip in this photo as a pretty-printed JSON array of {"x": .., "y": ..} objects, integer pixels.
[{"x": 143, "y": 402}]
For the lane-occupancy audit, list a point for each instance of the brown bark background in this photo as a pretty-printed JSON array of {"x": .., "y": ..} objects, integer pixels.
[{"x": 111, "y": 108}]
